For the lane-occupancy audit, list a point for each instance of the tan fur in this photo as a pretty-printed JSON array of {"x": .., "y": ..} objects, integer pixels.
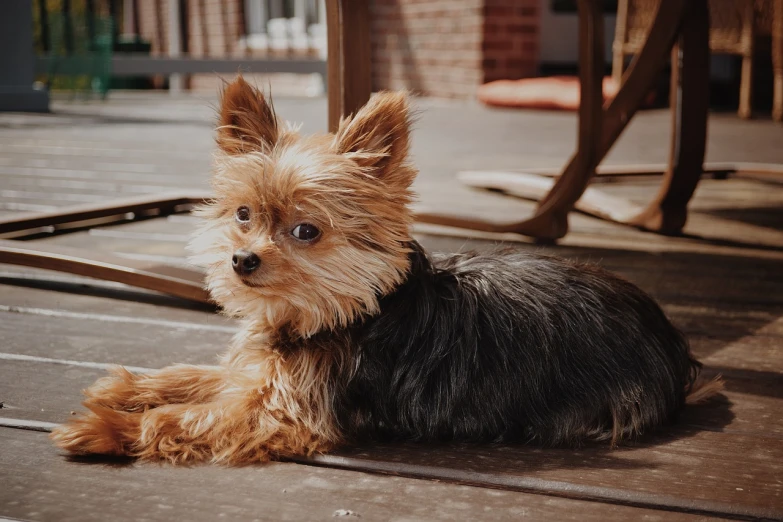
[
  {"x": 703, "y": 389},
  {"x": 273, "y": 394},
  {"x": 247, "y": 122},
  {"x": 259, "y": 404}
]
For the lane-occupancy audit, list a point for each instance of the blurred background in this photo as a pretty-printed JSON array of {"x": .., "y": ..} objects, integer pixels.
[
  {"x": 107, "y": 126},
  {"x": 438, "y": 48}
]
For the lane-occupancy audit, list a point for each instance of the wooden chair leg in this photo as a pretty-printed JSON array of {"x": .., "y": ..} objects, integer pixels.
[
  {"x": 640, "y": 76},
  {"x": 550, "y": 218},
  {"x": 549, "y": 221},
  {"x": 745, "y": 110},
  {"x": 777, "y": 60},
  {"x": 349, "y": 75},
  {"x": 556, "y": 205},
  {"x": 667, "y": 212},
  {"x": 688, "y": 20},
  {"x": 181, "y": 282},
  {"x": 746, "y": 88}
]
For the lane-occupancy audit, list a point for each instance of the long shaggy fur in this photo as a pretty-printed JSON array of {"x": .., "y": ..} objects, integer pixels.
[
  {"x": 359, "y": 334},
  {"x": 514, "y": 346}
]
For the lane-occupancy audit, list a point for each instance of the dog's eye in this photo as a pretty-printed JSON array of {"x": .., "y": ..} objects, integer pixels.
[
  {"x": 305, "y": 232},
  {"x": 242, "y": 215}
]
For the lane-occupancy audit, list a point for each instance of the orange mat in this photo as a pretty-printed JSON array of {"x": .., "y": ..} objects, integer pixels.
[{"x": 551, "y": 92}]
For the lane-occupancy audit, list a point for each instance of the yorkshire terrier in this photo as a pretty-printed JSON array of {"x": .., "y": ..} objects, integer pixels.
[{"x": 351, "y": 332}]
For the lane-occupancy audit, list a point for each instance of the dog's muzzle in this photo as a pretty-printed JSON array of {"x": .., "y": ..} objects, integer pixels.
[{"x": 244, "y": 262}]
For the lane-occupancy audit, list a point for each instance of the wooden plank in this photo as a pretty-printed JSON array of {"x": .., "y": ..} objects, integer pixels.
[
  {"x": 39, "y": 484},
  {"x": 759, "y": 355},
  {"x": 97, "y": 184},
  {"x": 22, "y": 287},
  {"x": 737, "y": 466},
  {"x": 56, "y": 394},
  {"x": 165, "y": 236},
  {"x": 69, "y": 174},
  {"x": 126, "y": 242},
  {"x": 137, "y": 341},
  {"x": 703, "y": 472},
  {"x": 57, "y": 154}
]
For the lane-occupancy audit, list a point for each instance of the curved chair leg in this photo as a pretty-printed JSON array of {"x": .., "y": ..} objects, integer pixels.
[
  {"x": 181, "y": 282},
  {"x": 552, "y": 214},
  {"x": 549, "y": 220},
  {"x": 777, "y": 60},
  {"x": 745, "y": 110},
  {"x": 667, "y": 212}
]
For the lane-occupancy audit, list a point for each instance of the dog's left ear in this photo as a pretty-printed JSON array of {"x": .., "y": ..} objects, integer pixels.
[
  {"x": 247, "y": 121},
  {"x": 378, "y": 137}
]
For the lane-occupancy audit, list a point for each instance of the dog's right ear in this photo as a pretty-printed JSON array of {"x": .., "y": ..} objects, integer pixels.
[{"x": 248, "y": 123}]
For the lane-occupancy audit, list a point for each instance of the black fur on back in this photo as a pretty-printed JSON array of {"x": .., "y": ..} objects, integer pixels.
[{"x": 514, "y": 346}]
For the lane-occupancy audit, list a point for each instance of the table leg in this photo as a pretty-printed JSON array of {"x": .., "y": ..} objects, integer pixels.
[
  {"x": 349, "y": 75},
  {"x": 552, "y": 212},
  {"x": 667, "y": 212}
]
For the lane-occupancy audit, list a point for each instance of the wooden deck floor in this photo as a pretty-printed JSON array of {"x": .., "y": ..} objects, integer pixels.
[{"x": 722, "y": 284}]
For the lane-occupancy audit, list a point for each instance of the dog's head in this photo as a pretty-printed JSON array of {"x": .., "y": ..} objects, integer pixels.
[{"x": 306, "y": 232}]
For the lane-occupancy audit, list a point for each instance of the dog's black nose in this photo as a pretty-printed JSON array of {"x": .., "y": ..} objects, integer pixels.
[{"x": 245, "y": 262}]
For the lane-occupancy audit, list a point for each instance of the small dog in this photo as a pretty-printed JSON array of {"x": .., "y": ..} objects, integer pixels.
[{"x": 350, "y": 331}]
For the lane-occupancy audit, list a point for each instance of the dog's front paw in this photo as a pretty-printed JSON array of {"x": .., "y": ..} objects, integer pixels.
[{"x": 102, "y": 431}]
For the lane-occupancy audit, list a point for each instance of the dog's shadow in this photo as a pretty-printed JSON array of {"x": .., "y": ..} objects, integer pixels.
[
  {"x": 489, "y": 461},
  {"x": 108, "y": 461},
  {"x": 455, "y": 461}
]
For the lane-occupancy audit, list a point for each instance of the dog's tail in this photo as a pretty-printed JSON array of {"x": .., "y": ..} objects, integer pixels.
[{"x": 703, "y": 389}]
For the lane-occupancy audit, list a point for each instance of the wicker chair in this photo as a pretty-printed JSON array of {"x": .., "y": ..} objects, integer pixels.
[{"x": 734, "y": 26}]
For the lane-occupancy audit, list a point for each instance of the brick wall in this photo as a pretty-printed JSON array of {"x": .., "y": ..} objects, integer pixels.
[
  {"x": 433, "y": 46},
  {"x": 450, "y": 47},
  {"x": 511, "y": 39}
]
